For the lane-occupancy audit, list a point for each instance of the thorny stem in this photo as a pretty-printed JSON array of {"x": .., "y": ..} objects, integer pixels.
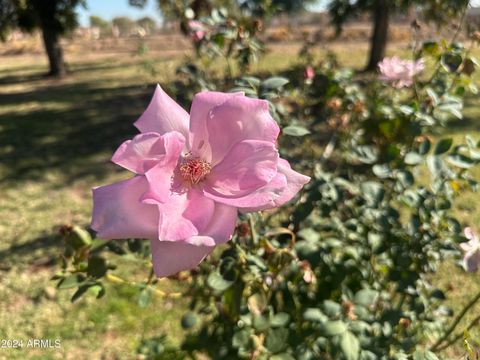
[{"x": 457, "y": 320}]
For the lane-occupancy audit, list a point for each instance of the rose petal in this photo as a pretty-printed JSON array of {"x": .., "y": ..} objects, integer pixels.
[
  {"x": 467, "y": 246},
  {"x": 163, "y": 114},
  {"x": 202, "y": 104},
  {"x": 286, "y": 184},
  {"x": 471, "y": 261},
  {"x": 247, "y": 167},
  {"x": 171, "y": 257},
  {"x": 146, "y": 150},
  {"x": 160, "y": 176},
  {"x": 119, "y": 214},
  {"x": 184, "y": 215},
  {"x": 220, "y": 229},
  {"x": 239, "y": 118},
  {"x": 470, "y": 234}
]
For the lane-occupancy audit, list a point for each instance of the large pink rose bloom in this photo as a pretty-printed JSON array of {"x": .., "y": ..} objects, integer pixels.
[
  {"x": 400, "y": 72},
  {"x": 193, "y": 174}
]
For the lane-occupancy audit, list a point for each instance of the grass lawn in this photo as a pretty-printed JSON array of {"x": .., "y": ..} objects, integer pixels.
[{"x": 56, "y": 138}]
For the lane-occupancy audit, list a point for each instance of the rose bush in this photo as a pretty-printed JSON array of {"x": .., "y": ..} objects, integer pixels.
[{"x": 346, "y": 271}]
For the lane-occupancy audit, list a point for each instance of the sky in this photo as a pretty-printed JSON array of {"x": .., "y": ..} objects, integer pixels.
[{"x": 109, "y": 9}]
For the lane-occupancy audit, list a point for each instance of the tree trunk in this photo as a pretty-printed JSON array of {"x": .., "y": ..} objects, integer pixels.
[
  {"x": 378, "y": 42},
  {"x": 54, "y": 52}
]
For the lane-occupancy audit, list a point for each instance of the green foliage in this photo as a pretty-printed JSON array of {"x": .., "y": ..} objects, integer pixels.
[
  {"x": 58, "y": 16},
  {"x": 345, "y": 272},
  {"x": 147, "y": 23},
  {"x": 124, "y": 24},
  {"x": 440, "y": 12},
  {"x": 97, "y": 21}
]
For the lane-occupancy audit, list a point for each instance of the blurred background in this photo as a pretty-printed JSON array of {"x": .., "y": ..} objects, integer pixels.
[{"x": 75, "y": 75}]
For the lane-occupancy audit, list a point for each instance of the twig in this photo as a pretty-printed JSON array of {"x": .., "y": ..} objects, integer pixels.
[
  {"x": 455, "y": 322},
  {"x": 117, "y": 280},
  {"x": 459, "y": 336}
]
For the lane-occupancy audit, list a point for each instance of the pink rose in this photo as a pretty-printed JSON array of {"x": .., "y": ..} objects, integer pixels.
[
  {"x": 471, "y": 260},
  {"x": 193, "y": 173},
  {"x": 197, "y": 30},
  {"x": 309, "y": 73},
  {"x": 400, "y": 72}
]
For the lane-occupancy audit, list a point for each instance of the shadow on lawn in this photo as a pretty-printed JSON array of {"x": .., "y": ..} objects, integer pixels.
[
  {"x": 69, "y": 125},
  {"x": 41, "y": 251}
]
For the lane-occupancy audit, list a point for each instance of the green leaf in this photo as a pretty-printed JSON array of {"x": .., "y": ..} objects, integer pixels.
[
  {"x": 294, "y": 130},
  {"x": 443, "y": 146},
  {"x": 189, "y": 320},
  {"x": 79, "y": 293},
  {"x": 97, "y": 266},
  {"x": 382, "y": 171},
  {"x": 71, "y": 281},
  {"x": 314, "y": 315},
  {"x": 424, "y": 147},
  {"x": 451, "y": 62},
  {"x": 435, "y": 165},
  {"x": 331, "y": 308},
  {"x": 79, "y": 238},
  {"x": 274, "y": 83},
  {"x": 366, "y": 154},
  {"x": 145, "y": 297},
  {"x": 261, "y": 322},
  {"x": 350, "y": 346},
  {"x": 241, "y": 339},
  {"x": 333, "y": 328},
  {"x": 277, "y": 340},
  {"x": 218, "y": 283},
  {"x": 413, "y": 158},
  {"x": 460, "y": 161},
  {"x": 366, "y": 297},
  {"x": 280, "y": 319},
  {"x": 373, "y": 192},
  {"x": 97, "y": 290},
  {"x": 431, "y": 48}
]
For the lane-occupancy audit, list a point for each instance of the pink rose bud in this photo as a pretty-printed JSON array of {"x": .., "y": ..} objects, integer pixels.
[
  {"x": 309, "y": 73},
  {"x": 192, "y": 174}
]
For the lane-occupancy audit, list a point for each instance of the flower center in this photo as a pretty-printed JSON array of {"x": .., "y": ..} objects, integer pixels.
[{"x": 194, "y": 170}]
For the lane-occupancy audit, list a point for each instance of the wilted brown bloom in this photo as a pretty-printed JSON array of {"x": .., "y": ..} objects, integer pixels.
[
  {"x": 334, "y": 104},
  {"x": 349, "y": 310},
  {"x": 405, "y": 323}
]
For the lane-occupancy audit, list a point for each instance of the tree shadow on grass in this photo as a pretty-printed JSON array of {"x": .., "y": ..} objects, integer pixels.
[
  {"x": 68, "y": 126},
  {"x": 41, "y": 251}
]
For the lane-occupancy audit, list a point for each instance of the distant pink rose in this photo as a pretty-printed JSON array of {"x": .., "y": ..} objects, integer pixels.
[
  {"x": 197, "y": 30},
  {"x": 309, "y": 73},
  {"x": 471, "y": 259},
  {"x": 193, "y": 173},
  {"x": 400, "y": 72}
]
